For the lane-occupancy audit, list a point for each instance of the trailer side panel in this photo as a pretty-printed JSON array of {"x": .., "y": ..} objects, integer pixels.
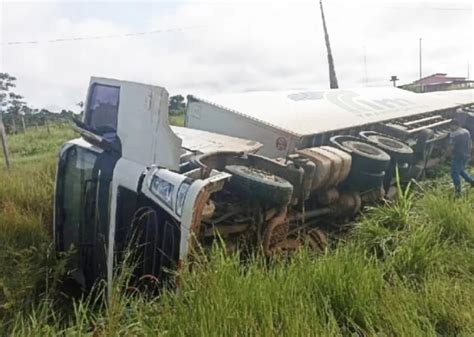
[{"x": 209, "y": 117}]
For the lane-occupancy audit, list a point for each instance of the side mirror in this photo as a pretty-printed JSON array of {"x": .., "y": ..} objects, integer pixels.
[{"x": 90, "y": 134}]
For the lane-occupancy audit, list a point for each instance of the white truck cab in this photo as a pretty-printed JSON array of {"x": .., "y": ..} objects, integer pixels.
[{"x": 130, "y": 171}]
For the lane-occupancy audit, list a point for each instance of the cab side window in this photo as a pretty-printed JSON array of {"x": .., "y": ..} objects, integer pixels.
[{"x": 102, "y": 109}]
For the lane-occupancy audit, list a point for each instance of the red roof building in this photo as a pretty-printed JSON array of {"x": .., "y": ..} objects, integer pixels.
[{"x": 440, "y": 82}]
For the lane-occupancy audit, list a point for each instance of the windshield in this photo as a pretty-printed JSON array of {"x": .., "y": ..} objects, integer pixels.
[{"x": 75, "y": 191}]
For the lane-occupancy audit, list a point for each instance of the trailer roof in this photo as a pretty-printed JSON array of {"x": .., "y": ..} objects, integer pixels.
[{"x": 317, "y": 111}]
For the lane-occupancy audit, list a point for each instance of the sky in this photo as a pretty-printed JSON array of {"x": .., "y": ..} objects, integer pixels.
[{"x": 209, "y": 47}]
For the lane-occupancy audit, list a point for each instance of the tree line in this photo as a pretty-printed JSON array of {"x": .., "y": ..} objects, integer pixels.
[{"x": 17, "y": 114}]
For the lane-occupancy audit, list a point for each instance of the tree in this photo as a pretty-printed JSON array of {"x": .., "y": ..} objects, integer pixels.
[
  {"x": 177, "y": 104},
  {"x": 26, "y": 110},
  {"x": 16, "y": 105},
  {"x": 6, "y": 82}
]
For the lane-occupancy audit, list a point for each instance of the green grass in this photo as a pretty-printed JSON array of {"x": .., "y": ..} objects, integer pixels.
[
  {"x": 407, "y": 270},
  {"x": 177, "y": 120}
]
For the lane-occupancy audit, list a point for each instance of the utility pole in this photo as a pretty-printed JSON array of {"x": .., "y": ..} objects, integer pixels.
[
  {"x": 394, "y": 79},
  {"x": 365, "y": 67},
  {"x": 421, "y": 86},
  {"x": 3, "y": 136},
  {"x": 332, "y": 72},
  {"x": 46, "y": 122}
]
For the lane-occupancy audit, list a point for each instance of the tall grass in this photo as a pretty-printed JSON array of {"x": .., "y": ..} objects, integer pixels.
[
  {"x": 29, "y": 268},
  {"x": 408, "y": 270}
]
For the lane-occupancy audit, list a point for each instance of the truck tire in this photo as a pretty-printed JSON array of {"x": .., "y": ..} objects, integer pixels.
[
  {"x": 398, "y": 150},
  {"x": 260, "y": 185},
  {"x": 365, "y": 157},
  {"x": 365, "y": 181}
]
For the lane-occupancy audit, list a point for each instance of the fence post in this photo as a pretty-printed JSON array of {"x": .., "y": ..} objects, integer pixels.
[
  {"x": 47, "y": 125},
  {"x": 23, "y": 123},
  {"x": 3, "y": 136},
  {"x": 14, "y": 129}
]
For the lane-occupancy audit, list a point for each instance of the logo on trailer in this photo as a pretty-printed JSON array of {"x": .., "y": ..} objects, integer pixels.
[
  {"x": 281, "y": 143},
  {"x": 355, "y": 103}
]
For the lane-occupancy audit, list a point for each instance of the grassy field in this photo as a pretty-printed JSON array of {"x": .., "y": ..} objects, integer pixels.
[{"x": 406, "y": 270}]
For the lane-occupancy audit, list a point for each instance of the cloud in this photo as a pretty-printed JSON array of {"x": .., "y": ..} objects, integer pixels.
[{"x": 228, "y": 46}]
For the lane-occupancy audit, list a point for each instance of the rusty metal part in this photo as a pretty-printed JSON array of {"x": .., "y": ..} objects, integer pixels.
[
  {"x": 208, "y": 210},
  {"x": 310, "y": 214},
  {"x": 270, "y": 213},
  {"x": 215, "y": 184},
  {"x": 225, "y": 230},
  {"x": 349, "y": 202},
  {"x": 316, "y": 239},
  {"x": 328, "y": 197},
  {"x": 288, "y": 245},
  {"x": 275, "y": 232},
  {"x": 200, "y": 203},
  {"x": 226, "y": 215}
]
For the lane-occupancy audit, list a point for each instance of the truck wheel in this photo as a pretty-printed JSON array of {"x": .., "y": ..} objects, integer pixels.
[
  {"x": 398, "y": 150},
  {"x": 365, "y": 181},
  {"x": 373, "y": 180},
  {"x": 258, "y": 184},
  {"x": 367, "y": 157}
]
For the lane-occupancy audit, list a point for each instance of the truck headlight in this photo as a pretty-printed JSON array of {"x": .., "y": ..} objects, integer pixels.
[
  {"x": 163, "y": 190},
  {"x": 182, "y": 192}
]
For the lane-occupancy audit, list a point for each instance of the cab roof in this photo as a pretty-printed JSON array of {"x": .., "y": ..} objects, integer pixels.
[{"x": 311, "y": 112}]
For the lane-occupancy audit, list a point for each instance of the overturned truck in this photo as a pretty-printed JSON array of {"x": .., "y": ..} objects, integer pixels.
[{"x": 259, "y": 170}]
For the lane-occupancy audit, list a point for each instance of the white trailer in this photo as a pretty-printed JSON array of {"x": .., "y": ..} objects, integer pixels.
[{"x": 286, "y": 120}]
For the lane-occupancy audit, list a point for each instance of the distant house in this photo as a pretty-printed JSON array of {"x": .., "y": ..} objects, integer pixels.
[{"x": 439, "y": 82}]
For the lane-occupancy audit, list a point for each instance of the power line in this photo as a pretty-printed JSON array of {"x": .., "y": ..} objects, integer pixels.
[
  {"x": 102, "y": 37},
  {"x": 429, "y": 8}
]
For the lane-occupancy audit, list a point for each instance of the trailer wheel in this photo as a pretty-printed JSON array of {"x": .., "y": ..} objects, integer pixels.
[
  {"x": 365, "y": 181},
  {"x": 398, "y": 150},
  {"x": 258, "y": 184},
  {"x": 367, "y": 157}
]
